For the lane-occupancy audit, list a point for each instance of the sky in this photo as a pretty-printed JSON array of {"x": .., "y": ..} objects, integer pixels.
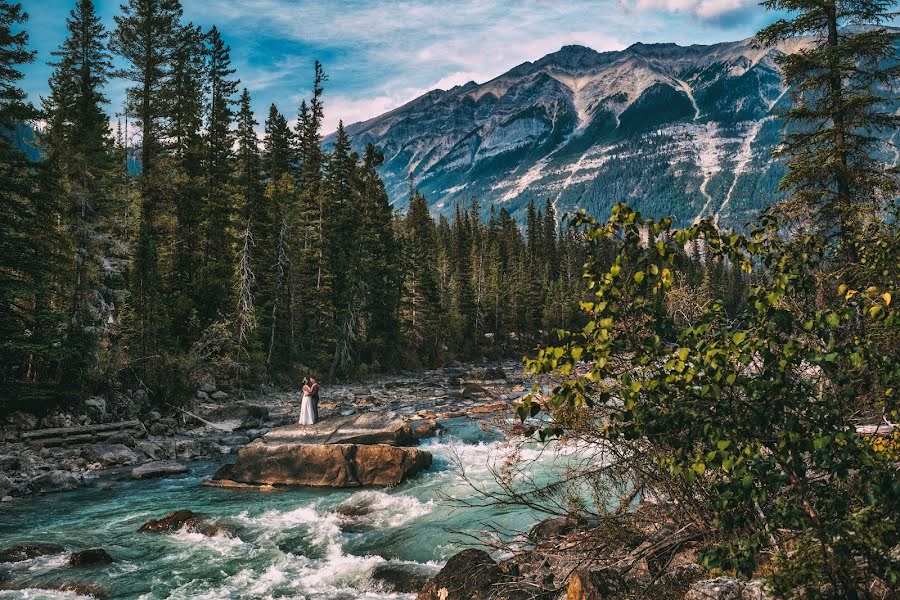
[{"x": 379, "y": 54}]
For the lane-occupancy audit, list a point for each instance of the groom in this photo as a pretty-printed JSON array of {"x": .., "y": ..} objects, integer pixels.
[{"x": 314, "y": 396}]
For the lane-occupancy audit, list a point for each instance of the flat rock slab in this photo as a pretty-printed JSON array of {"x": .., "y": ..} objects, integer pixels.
[
  {"x": 322, "y": 465},
  {"x": 364, "y": 428},
  {"x": 154, "y": 469}
]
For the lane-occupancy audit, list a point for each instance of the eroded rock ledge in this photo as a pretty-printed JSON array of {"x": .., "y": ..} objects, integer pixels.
[{"x": 322, "y": 465}]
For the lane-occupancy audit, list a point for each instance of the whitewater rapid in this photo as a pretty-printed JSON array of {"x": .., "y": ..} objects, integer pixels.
[{"x": 297, "y": 544}]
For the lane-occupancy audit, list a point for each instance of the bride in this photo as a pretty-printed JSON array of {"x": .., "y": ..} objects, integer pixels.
[{"x": 307, "y": 406}]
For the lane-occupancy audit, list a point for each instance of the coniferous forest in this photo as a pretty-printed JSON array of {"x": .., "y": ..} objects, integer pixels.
[{"x": 170, "y": 243}]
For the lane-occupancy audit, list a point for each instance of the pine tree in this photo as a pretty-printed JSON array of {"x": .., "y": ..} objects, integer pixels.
[
  {"x": 30, "y": 328},
  {"x": 379, "y": 265},
  {"x": 841, "y": 85},
  {"x": 146, "y": 36},
  {"x": 312, "y": 310},
  {"x": 256, "y": 210},
  {"x": 420, "y": 304},
  {"x": 278, "y": 152},
  {"x": 344, "y": 252},
  {"x": 78, "y": 152},
  {"x": 185, "y": 130},
  {"x": 220, "y": 218}
]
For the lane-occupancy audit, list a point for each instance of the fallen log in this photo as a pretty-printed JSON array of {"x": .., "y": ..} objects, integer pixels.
[{"x": 66, "y": 432}]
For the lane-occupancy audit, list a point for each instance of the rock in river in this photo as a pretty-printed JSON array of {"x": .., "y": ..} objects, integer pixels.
[
  {"x": 470, "y": 575},
  {"x": 158, "y": 469},
  {"x": 90, "y": 558},
  {"x": 363, "y": 428},
  {"x": 323, "y": 465},
  {"x": 28, "y": 551},
  {"x": 181, "y": 519}
]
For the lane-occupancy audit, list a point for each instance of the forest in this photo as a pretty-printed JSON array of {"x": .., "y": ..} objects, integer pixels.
[{"x": 201, "y": 251}]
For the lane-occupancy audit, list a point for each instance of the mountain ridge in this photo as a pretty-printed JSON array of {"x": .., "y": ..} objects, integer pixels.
[{"x": 681, "y": 130}]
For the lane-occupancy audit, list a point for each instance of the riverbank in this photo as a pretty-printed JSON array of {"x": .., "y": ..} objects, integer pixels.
[{"x": 214, "y": 426}]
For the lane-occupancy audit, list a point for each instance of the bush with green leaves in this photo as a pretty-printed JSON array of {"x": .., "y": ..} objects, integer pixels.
[{"x": 752, "y": 415}]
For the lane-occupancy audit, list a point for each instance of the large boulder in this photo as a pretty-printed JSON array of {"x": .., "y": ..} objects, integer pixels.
[
  {"x": 470, "y": 575},
  {"x": 323, "y": 465},
  {"x": 400, "y": 578},
  {"x": 364, "y": 428},
  {"x": 179, "y": 520},
  {"x": 155, "y": 469},
  {"x": 54, "y": 481},
  {"x": 585, "y": 585},
  {"x": 235, "y": 415},
  {"x": 111, "y": 455},
  {"x": 95, "y": 407},
  {"x": 28, "y": 551},
  {"x": 91, "y": 557}
]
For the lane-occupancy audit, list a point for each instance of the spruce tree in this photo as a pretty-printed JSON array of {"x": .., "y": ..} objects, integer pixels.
[
  {"x": 379, "y": 265},
  {"x": 344, "y": 251},
  {"x": 278, "y": 152},
  {"x": 420, "y": 305},
  {"x": 146, "y": 36},
  {"x": 842, "y": 86},
  {"x": 79, "y": 154},
  {"x": 220, "y": 221},
  {"x": 255, "y": 210},
  {"x": 31, "y": 340},
  {"x": 312, "y": 309},
  {"x": 185, "y": 130}
]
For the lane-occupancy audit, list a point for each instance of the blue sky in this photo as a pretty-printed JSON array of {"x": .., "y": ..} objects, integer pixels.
[{"x": 381, "y": 54}]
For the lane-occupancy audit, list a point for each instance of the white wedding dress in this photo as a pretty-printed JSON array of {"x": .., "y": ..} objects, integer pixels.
[{"x": 307, "y": 412}]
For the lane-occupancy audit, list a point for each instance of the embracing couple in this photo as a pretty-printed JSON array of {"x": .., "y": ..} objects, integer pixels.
[{"x": 309, "y": 407}]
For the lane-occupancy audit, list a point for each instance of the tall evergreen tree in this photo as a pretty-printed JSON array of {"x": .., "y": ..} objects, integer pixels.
[
  {"x": 30, "y": 335},
  {"x": 78, "y": 151},
  {"x": 146, "y": 36},
  {"x": 842, "y": 85},
  {"x": 379, "y": 265},
  {"x": 312, "y": 278},
  {"x": 420, "y": 305},
  {"x": 185, "y": 130},
  {"x": 279, "y": 153},
  {"x": 220, "y": 220}
]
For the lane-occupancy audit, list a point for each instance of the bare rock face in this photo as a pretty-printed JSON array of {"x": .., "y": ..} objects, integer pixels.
[
  {"x": 364, "y": 428},
  {"x": 323, "y": 465},
  {"x": 470, "y": 575}
]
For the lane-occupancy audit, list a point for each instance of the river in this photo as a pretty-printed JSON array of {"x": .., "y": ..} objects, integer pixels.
[{"x": 303, "y": 544}]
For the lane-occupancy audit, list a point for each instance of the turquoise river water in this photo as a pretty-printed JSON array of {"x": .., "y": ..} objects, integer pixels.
[{"x": 309, "y": 543}]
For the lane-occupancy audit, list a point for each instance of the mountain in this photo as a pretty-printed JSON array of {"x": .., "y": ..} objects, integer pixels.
[{"x": 672, "y": 130}]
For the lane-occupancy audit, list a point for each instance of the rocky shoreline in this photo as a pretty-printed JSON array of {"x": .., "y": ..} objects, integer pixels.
[{"x": 100, "y": 441}]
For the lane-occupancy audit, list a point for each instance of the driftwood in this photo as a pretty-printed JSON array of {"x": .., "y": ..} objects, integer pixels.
[
  {"x": 202, "y": 420},
  {"x": 62, "y": 436},
  {"x": 69, "y": 431}
]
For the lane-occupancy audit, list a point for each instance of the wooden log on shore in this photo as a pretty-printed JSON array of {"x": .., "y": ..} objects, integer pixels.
[{"x": 68, "y": 431}]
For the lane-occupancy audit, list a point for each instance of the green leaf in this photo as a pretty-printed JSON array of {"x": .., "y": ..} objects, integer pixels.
[{"x": 738, "y": 337}]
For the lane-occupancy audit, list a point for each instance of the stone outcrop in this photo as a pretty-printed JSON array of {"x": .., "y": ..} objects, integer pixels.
[
  {"x": 91, "y": 557},
  {"x": 28, "y": 551},
  {"x": 179, "y": 520},
  {"x": 400, "y": 578},
  {"x": 323, "y": 465},
  {"x": 470, "y": 575},
  {"x": 364, "y": 428},
  {"x": 155, "y": 469}
]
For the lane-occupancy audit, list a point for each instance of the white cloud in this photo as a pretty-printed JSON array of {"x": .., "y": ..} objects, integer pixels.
[{"x": 703, "y": 9}]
